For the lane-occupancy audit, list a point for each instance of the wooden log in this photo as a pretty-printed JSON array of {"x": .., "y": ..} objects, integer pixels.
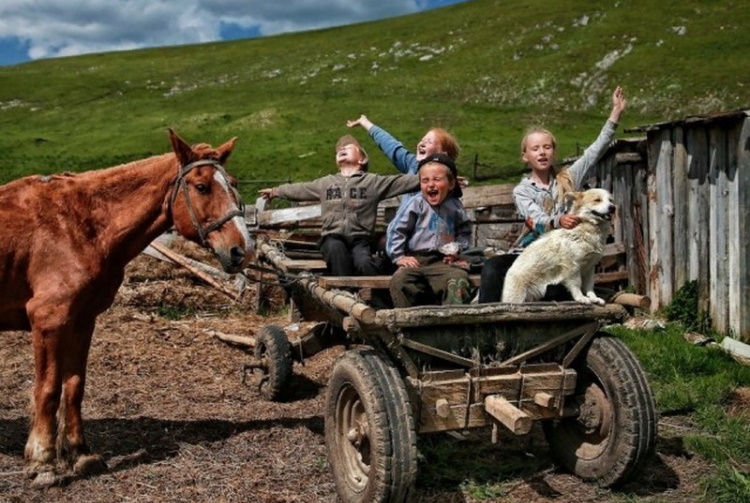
[
  {"x": 510, "y": 416},
  {"x": 242, "y": 340},
  {"x": 343, "y": 301},
  {"x": 376, "y": 282},
  {"x": 497, "y": 312},
  {"x": 284, "y": 263},
  {"x": 442, "y": 408},
  {"x": 185, "y": 262},
  {"x": 545, "y": 400},
  {"x": 631, "y": 300}
]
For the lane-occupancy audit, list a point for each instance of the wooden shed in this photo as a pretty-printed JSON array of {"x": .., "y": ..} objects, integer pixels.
[{"x": 684, "y": 199}]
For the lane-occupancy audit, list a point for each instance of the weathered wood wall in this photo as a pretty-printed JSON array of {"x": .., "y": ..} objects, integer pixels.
[{"x": 683, "y": 213}]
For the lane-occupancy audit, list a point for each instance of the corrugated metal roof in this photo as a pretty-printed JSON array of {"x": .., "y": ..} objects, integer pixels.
[{"x": 692, "y": 119}]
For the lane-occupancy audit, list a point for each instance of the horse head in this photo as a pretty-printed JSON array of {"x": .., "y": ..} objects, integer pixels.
[{"x": 205, "y": 205}]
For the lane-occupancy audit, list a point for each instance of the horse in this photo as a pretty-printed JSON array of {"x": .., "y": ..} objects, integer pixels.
[{"x": 64, "y": 245}]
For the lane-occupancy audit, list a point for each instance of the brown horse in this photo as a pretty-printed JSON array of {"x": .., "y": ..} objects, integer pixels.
[{"x": 64, "y": 245}]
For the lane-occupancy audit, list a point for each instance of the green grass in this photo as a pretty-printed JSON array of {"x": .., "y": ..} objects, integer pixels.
[{"x": 485, "y": 70}]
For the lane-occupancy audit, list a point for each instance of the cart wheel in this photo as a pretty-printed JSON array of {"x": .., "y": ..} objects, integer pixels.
[
  {"x": 614, "y": 432},
  {"x": 272, "y": 346},
  {"x": 369, "y": 427}
]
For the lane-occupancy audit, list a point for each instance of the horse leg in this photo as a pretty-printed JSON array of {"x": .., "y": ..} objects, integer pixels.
[
  {"x": 71, "y": 440},
  {"x": 40, "y": 453}
]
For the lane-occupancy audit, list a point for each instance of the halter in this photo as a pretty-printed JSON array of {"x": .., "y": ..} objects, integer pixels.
[{"x": 179, "y": 182}]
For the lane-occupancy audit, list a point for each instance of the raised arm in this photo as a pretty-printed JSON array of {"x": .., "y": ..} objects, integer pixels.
[
  {"x": 579, "y": 170},
  {"x": 362, "y": 121}
]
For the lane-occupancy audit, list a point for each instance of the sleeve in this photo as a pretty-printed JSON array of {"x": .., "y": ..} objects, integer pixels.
[
  {"x": 303, "y": 191},
  {"x": 579, "y": 170},
  {"x": 398, "y": 232},
  {"x": 463, "y": 227},
  {"x": 529, "y": 209},
  {"x": 394, "y": 150},
  {"x": 394, "y": 185}
]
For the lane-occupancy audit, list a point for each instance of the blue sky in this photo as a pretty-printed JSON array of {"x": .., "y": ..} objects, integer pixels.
[{"x": 36, "y": 29}]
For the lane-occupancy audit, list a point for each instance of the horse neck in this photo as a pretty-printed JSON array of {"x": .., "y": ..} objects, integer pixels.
[{"x": 133, "y": 211}]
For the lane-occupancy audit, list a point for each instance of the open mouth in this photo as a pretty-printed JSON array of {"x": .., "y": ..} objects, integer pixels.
[{"x": 603, "y": 216}]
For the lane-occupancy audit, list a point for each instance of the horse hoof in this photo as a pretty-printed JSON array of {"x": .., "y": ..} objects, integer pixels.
[
  {"x": 90, "y": 464},
  {"x": 43, "y": 480}
]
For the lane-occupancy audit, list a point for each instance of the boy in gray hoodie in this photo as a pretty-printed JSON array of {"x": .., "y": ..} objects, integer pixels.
[{"x": 349, "y": 202}]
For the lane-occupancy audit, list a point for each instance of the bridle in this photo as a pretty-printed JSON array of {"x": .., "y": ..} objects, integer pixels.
[{"x": 179, "y": 183}]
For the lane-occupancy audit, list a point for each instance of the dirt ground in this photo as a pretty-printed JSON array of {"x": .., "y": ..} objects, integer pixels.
[{"x": 166, "y": 406}]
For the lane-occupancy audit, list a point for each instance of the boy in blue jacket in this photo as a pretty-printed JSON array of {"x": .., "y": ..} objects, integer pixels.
[{"x": 426, "y": 237}]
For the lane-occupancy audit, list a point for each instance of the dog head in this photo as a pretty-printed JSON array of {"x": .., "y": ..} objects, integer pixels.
[{"x": 593, "y": 204}]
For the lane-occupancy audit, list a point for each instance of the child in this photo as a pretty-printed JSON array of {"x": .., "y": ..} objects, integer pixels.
[
  {"x": 436, "y": 140},
  {"x": 540, "y": 197},
  {"x": 419, "y": 238},
  {"x": 349, "y": 202}
]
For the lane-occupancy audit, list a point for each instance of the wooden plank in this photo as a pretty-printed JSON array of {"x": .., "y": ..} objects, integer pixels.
[
  {"x": 269, "y": 218},
  {"x": 619, "y": 192},
  {"x": 488, "y": 195},
  {"x": 661, "y": 213},
  {"x": 717, "y": 247},
  {"x": 377, "y": 282},
  {"x": 665, "y": 218},
  {"x": 290, "y": 265},
  {"x": 698, "y": 269},
  {"x": 681, "y": 192},
  {"x": 739, "y": 231},
  {"x": 654, "y": 265},
  {"x": 641, "y": 250}
]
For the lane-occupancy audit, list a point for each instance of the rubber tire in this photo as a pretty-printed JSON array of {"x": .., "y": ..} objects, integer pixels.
[
  {"x": 627, "y": 436},
  {"x": 273, "y": 345},
  {"x": 365, "y": 389}
]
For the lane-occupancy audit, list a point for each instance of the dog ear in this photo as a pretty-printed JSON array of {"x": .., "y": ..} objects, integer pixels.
[{"x": 573, "y": 196}]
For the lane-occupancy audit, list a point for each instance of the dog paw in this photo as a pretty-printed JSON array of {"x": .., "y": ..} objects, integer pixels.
[{"x": 594, "y": 299}]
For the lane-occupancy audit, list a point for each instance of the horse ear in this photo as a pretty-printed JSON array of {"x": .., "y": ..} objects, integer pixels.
[
  {"x": 181, "y": 149},
  {"x": 226, "y": 149}
]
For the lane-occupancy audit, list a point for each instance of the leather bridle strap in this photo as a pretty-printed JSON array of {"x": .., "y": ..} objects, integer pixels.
[{"x": 180, "y": 185}]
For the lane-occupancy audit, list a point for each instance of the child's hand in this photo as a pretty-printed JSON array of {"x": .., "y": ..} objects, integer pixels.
[
  {"x": 407, "y": 261},
  {"x": 569, "y": 221},
  {"x": 267, "y": 193},
  {"x": 619, "y": 102},
  {"x": 362, "y": 121}
]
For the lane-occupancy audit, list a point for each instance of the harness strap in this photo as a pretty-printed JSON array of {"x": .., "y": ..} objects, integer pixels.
[{"x": 180, "y": 184}]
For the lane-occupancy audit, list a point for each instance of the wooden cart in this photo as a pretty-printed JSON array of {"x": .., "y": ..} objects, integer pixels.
[{"x": 439, "y": 368}]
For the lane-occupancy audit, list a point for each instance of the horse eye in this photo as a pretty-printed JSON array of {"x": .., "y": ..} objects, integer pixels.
[{"x": 202, "y": 188}]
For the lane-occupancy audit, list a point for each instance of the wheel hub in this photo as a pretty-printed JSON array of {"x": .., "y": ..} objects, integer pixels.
[{"x": 595, "y": 412}]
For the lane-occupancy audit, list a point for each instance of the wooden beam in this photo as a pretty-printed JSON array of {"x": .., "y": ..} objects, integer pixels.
[
  {"x": 377, "y": 282},
  {"x": 509, "y": 415}
]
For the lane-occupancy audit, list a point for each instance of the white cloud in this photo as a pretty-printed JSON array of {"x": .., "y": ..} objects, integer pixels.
[{"x": 51, "y": 28}]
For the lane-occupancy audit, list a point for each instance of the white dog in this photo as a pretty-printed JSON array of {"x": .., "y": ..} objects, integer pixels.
[{"x": 565, "y": 256}]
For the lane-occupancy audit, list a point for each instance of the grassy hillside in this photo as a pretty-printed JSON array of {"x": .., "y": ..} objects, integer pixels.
[{"x": 485, "y": 70}]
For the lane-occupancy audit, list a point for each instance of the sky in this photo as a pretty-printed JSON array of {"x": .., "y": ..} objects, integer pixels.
[{"x": 38, "y": 29}]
